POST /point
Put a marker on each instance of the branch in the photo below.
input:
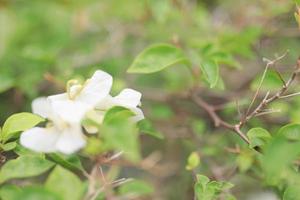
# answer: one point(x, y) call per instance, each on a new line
point(259, 110)
point(216, 118)
point(278, 95)
point(269, 64)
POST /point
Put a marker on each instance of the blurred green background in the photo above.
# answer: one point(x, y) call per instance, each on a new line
point(43, 43)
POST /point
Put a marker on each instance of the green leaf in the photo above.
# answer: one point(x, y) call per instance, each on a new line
point(203, 180)
point(71, 162)
point(210, 70)
point(220, 186)
point(224, 58)
point(19, 122)
point(220, 84)
point(36, 193)
point(278, 157)
point(136, 187)
point(8, 146)
point(147, 127)
point(120, 133)
point(23, 151)
point(193, 161)
point(200, 188)
point(209, 190)
point(117, 112)
point(156, 58)
point(65, 184)
point(203, 192)
point(24, 166)
point(258, 137)
point(291, 132)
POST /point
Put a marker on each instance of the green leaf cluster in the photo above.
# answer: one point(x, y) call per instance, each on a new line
point(210, 190)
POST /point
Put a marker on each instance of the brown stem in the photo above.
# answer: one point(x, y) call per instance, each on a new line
point(216, 118)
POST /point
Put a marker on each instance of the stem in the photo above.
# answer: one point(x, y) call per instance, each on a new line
point(278, 95)
point(259, 110)
point(217, 119)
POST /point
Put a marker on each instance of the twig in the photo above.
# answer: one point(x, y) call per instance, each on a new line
point(289, 95)
point(115, 156)
point(259, 110)
point(92, 177)
point(215, 117)
point(211, 111)
point(269, 64)
point(268, 112)
point(267, 100)
point(113, 184)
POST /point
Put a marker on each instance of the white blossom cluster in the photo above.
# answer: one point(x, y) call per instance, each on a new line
point(65, 112)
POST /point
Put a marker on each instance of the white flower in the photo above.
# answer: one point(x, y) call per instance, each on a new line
point(58, 135)
point(65, 112)
point(73, 105)
point(127, 98)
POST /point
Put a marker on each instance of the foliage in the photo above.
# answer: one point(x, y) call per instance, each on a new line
point(213, 113)
point(209, 190)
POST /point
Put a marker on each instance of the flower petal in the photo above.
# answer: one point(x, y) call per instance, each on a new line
point(71, 140)
point(106, 103)
point(40, 139)
point(41, 106)
point(70, 111)
point(58, 97)
point(139, 115)
point(128, 98)
point(96, 88)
